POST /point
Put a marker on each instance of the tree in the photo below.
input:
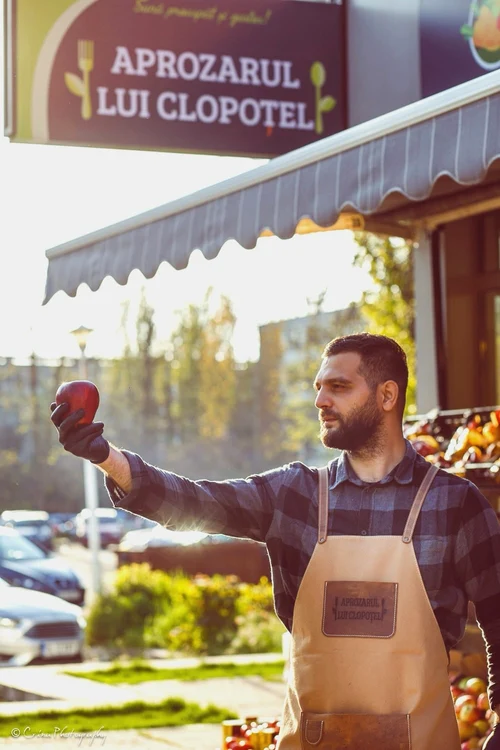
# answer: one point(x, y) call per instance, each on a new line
point(217, 375)
point(269, 394)
point(389, 306)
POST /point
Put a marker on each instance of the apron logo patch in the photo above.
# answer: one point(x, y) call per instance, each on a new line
point(359, 608)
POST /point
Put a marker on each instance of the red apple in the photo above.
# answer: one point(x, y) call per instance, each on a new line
point(79, 394)
point(465, 731)
point(463, 700)
point(471, 744)
point(475, 686)
point(469, 713)
point(482, 702)
point(456, 692)
point(482, 726)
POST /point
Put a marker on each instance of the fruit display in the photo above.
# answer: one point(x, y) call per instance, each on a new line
point(466, 443)
point(474, 717)
point(475, 720)
point(250, 733)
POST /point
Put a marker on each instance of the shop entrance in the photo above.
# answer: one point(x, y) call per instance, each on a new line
point(470, 302)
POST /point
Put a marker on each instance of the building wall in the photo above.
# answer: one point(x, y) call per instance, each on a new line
point(383, 58)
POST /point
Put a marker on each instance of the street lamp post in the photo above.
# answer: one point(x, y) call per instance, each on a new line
point(90, 478)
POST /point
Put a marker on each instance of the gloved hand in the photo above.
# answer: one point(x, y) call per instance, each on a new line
point(493, 741)
point(85, 441)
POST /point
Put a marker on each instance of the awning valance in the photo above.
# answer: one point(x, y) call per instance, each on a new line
point(374, 171)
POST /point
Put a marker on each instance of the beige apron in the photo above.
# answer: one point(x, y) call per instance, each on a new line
point(368, 665)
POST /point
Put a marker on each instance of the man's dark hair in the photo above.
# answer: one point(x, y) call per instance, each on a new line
point(382, 359)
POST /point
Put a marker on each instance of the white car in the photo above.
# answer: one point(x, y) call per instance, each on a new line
point(38, 626)
point(33, 524)
point(139, 540)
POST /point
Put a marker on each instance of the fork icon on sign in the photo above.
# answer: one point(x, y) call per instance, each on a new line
point(81, 86)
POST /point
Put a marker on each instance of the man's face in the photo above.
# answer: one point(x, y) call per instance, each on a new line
point(349, 413)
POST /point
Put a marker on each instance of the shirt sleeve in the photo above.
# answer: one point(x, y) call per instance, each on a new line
point(235, 507)
point(477, 561)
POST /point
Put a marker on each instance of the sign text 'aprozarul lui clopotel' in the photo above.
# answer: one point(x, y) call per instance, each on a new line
point(245, 77)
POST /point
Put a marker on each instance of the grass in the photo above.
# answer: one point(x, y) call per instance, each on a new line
point(169, 713)
point(137, 672)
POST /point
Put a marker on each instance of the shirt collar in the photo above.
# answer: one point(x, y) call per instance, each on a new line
point(402, 473)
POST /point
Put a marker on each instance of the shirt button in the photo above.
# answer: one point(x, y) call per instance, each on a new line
point(364, 532)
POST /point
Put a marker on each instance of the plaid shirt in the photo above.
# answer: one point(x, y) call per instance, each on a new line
point(456, 539)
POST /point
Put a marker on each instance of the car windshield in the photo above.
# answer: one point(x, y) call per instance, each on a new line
point(13, 547)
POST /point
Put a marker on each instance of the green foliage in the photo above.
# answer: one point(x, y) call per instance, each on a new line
point(269, 401)
point(135, 671)
point(114, 621)
point(176, 625)
point(201, 615)
point(389, 306)
point(217, 620)
point(259, 630)
point(134, 715)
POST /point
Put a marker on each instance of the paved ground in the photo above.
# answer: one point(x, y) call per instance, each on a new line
point(195, 737)
point(248, 695)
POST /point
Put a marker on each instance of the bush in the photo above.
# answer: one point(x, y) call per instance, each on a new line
point(176, 627)
point(201, 615)
point(120, 618)
point(259, 632)
point(218, 611)
point(113, 621)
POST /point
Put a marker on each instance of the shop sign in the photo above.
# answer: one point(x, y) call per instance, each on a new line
point(459, 40)
point(236, 77)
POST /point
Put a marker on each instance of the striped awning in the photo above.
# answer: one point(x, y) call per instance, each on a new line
point(371, 174)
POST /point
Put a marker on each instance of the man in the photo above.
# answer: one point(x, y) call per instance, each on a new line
point(374, 557)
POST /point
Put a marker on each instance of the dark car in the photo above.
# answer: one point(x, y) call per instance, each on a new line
point(24, 564)
point(109, 522)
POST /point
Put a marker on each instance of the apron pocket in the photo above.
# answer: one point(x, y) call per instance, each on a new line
point(354, 731)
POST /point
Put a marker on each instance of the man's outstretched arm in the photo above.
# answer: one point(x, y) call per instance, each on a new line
point(117, 468)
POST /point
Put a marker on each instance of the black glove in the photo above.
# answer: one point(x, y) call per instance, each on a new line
point(493, 741)
point(85, 441)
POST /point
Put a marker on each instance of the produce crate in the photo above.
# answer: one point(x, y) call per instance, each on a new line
point(443, 425)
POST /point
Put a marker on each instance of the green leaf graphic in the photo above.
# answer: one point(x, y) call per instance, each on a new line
point(74, 84)
point(318, 74)
point(327, 103)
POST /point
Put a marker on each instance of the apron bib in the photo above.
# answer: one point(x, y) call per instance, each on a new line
point(368, 665)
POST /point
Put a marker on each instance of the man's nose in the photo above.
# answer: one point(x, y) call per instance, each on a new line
point(321, 401)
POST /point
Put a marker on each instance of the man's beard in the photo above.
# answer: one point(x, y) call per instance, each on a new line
point(355, 432)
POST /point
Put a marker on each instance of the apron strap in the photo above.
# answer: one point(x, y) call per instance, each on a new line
point(418, 502)
point(323, 504)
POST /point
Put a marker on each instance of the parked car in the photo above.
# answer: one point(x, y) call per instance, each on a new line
point(62, 524)
point(157, 536)
point(38, 627)
point(33, 524)
point(24, 564)
point(110, 525)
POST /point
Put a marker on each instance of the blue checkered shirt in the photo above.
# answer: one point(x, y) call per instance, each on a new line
point(456, 539)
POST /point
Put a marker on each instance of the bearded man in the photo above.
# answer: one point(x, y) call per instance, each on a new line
point(374, 557)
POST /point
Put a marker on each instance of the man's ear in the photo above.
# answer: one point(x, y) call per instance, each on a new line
point(389, 393)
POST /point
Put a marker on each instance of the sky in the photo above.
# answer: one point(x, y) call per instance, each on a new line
point(53, 194)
